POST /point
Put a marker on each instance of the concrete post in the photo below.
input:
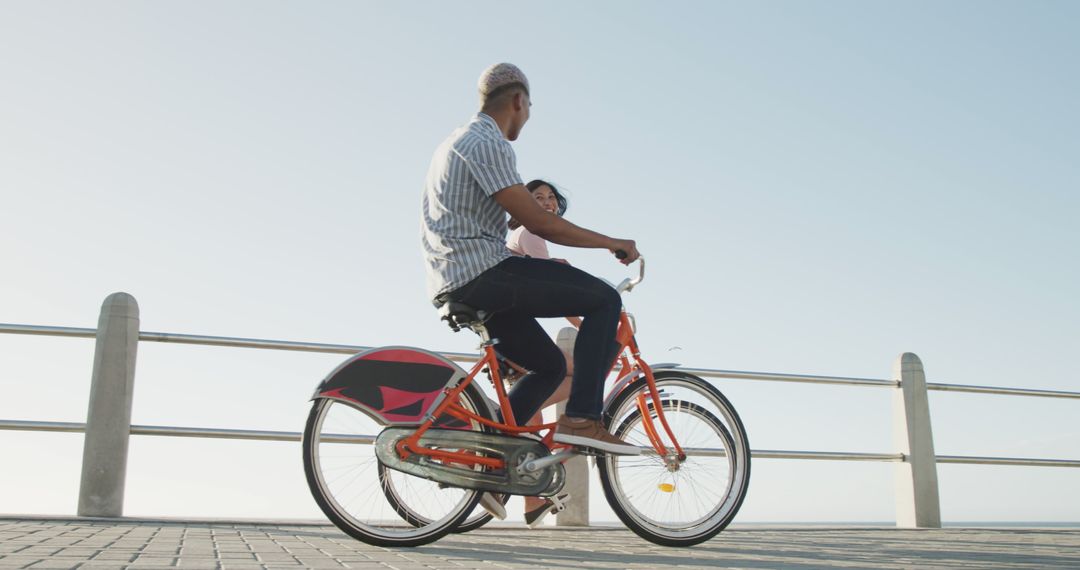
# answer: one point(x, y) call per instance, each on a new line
point(577, 469)
point(108, 420)
point(917, 503)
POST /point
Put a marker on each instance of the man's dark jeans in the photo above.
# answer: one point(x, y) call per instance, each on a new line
point(520, 289)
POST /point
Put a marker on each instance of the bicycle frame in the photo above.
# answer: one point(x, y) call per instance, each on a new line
point(630, 362)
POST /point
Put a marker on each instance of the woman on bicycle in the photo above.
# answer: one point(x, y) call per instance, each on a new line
point(525, 243)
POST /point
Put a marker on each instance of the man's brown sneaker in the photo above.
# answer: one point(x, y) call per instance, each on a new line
point(583, 432)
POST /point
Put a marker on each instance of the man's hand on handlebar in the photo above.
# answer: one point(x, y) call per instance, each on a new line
point(625, 250)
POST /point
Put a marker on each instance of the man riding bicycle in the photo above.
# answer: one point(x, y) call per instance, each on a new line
point(471, 185)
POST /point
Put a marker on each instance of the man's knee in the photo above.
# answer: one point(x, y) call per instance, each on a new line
point(610, 298)
point(552, 363)
point(615, 296)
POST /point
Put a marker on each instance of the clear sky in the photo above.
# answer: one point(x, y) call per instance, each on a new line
point(817, 187)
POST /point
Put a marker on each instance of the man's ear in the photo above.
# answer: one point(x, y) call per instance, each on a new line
point(519, 100)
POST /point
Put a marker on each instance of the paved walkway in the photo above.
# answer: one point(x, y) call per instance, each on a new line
point(133, 544)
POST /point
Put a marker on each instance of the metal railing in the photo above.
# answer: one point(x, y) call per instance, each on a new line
point(265, 435)
point(262, 435)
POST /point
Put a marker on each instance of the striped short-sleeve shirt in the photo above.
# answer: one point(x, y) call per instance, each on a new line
point(463, 229)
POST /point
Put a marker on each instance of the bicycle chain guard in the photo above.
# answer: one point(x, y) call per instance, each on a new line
point(513, 451)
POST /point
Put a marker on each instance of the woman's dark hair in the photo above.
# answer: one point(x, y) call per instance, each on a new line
point(559, 199)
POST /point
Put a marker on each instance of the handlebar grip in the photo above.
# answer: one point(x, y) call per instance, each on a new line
point(620, 254)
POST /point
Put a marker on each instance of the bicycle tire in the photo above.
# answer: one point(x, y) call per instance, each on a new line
point(348, 489)
point(658, 503)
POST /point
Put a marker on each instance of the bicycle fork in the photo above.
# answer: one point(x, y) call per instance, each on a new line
point(674, 457)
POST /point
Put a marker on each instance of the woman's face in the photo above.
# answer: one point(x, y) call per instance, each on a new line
point(546, 198)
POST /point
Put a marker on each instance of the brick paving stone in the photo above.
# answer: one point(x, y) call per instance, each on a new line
point(154, 561)
point(300, 552)
point(114, 556)
point(77, 552)
point(18, 561)
point(236, 557)
point(274, 557)
point(39, 551)
point(52, 565)
point(186, 560)
point(321, 563)
point(233, 547)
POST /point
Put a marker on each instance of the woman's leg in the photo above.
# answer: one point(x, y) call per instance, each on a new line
point(565, 342)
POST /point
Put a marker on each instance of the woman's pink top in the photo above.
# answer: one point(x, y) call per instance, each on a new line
point(523, 242)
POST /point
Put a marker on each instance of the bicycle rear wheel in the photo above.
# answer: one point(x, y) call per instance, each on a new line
point(665, 500)
point(363, 498)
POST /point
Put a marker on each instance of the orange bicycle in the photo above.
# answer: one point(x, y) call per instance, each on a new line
point(401, 443)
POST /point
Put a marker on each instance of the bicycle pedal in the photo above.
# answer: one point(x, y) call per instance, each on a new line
point(558, 502)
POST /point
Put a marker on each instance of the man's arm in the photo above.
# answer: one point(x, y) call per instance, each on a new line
point(520, 204)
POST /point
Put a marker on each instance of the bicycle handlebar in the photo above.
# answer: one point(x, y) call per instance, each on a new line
point(628, 284)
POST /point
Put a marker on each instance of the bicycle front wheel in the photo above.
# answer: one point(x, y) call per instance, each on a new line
point(363, 499)
point(668, 500)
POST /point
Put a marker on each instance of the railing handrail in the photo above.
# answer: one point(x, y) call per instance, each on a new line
point(1000, 390)
point(325, 348)
point(801, 378)
point(265, 435)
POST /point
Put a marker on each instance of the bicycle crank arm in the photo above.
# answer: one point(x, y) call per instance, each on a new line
point(544, 462)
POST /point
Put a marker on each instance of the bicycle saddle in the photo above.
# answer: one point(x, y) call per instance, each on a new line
point(460, 315)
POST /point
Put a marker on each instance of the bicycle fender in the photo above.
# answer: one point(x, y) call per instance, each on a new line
point(626, 379)
point(398, 385)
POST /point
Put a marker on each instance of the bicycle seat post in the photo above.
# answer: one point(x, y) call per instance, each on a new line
point(460, 315)
point(485, 338)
